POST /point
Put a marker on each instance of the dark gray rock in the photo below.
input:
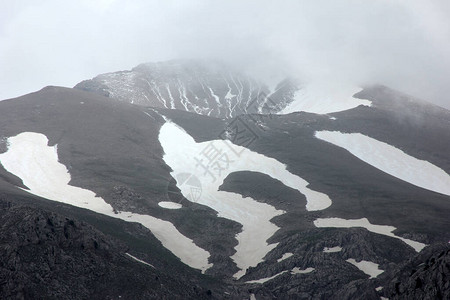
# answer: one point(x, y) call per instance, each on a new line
point(426, 276)
point(47, 256)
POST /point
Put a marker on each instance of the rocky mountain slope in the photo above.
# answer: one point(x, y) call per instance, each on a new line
point(238, 203)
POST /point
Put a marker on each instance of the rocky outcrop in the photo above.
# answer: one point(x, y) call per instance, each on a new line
point(47, 256)
point(426, 276)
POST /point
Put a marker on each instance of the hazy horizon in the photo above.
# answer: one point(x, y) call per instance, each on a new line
point(401, 44)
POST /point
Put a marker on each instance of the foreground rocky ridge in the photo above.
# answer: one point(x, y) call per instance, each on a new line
point(426, 276)
point(44, 255)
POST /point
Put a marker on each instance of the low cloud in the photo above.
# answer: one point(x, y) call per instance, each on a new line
point(403, 44)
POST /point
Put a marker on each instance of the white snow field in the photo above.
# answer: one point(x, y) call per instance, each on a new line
point(29, 158)
point(368, 267)
point(332, 249)
point(380, 229)
point(211, 162)
point(324, 98)
point(391, 160)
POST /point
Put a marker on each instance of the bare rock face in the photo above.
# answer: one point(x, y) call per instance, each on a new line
point(427, 276)
point(205, 88)
point(47, 256)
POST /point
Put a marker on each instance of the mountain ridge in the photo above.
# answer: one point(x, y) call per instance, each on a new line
point(114, 149)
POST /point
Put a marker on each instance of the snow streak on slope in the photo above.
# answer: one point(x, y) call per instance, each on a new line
point(140, 260)
point(391, 160)
point(29, 158)
point(265, 279)
point(285, 256)
point(324, 98)
point(295, 270)
point(380, 229)
point(198, 87)
point(184, 155)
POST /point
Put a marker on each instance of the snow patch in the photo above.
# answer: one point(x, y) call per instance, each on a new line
point(320, 98)
point(170, 205)
point(29, 158)
point(391, 160)
point(285, 256)
point(368, 267)
point(297, 270)
point(380, 229)
point(332, 249)
point(184, 155)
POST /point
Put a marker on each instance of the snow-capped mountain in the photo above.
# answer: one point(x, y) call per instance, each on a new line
point(330, 195)
point(207, 88)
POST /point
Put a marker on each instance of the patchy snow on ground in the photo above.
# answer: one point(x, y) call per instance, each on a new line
point(391, 160)
point(324, 98)
point(30, 158)
point(297, 270)
point(380, 229)
point(332, 249)
point(139, 260)
point(285, 256)
point(368, 267)
point(170, 205)
point(211, 162)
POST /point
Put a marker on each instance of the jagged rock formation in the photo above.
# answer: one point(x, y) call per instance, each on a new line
point(44, 255)
point(425, 277)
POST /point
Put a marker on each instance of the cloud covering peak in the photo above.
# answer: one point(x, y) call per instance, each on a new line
point(402, 44)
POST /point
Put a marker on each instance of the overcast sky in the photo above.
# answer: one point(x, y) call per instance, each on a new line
point(403, 44)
